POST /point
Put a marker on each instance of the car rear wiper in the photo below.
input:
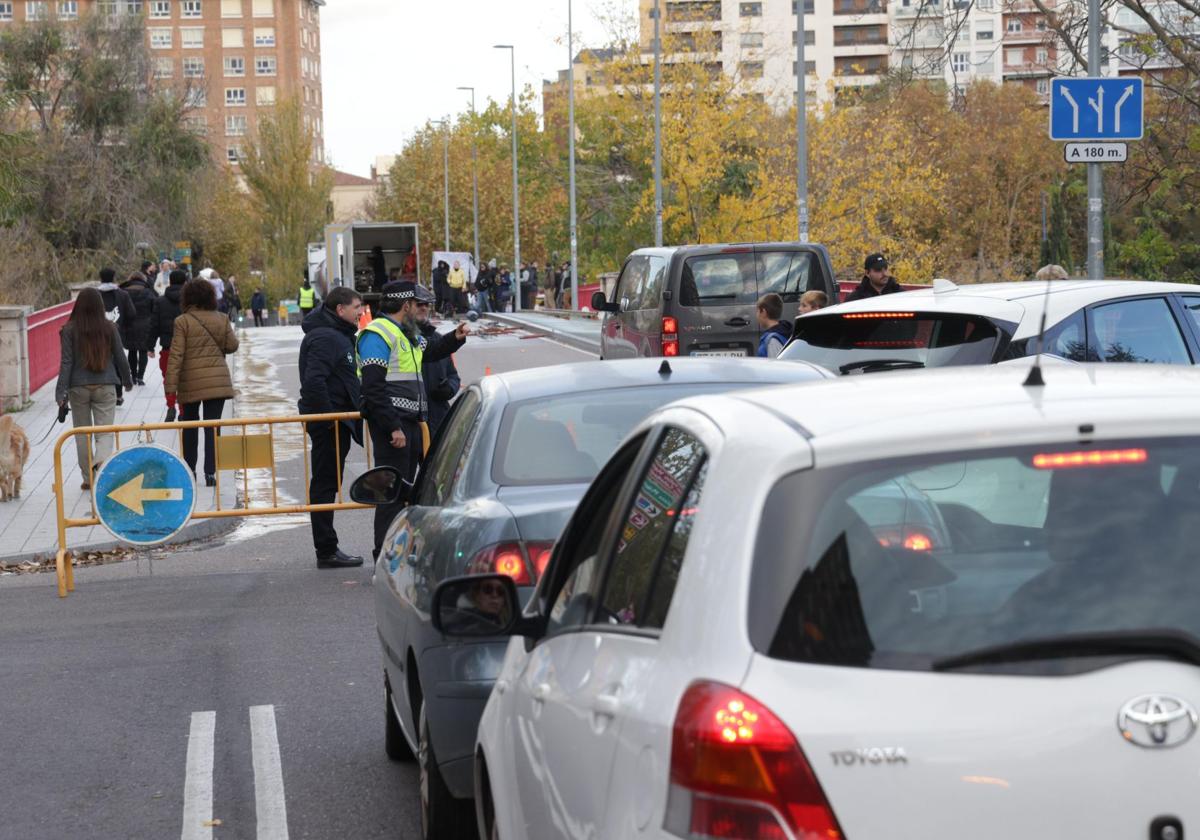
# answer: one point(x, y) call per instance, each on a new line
point(1152, 642)
point(717, 297)
point(881, 364)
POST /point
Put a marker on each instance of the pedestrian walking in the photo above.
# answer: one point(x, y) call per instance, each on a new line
point(329, 384)
point(775, 332)
point(258, 303)
point(214, 279)
point(141, 342)
point(93, 365)
point(163, 278)
point(197, 373)
point(484, 290)
point(150, 272)
point(233, 298)
point(391, 355)
point(118, 308)
point(457, 281)
point(813, 300)
point(441, 289)
point(167, 307)
point(504, 289)
point(307, 299)
point(876, 281)
point(442, 381)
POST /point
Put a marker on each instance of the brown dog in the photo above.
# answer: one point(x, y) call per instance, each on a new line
point(14, 452)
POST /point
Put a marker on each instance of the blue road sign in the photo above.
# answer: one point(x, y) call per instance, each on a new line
point(144, 494)
point(1096, 109)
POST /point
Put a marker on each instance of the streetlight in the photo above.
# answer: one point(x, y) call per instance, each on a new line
point(474, 176)
point(801, 128)
point(656, 13)
point(445, 124)
point(512, 53)
point(571, 147)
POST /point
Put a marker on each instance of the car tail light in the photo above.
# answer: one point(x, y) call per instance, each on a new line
point(523, 562)
point(738, 772)
point(861, 316)
point(1093, 458)
point(913, 539)
point(670, 336)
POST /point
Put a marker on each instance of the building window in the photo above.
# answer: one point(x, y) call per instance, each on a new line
point(809, 7)
point(1043, 86)
point(6, 10)
point(35, 10)
point(164, 68)
point(810, 37)
point(304, 37)
point(233, 154)
point(265, 95)
point(196, 125)
point(231, 8)
point(160, 9)
point(68, 9)
point(1014, 25)
point(196, 97)
point(984, 65)
point(264, 8)
point(984, 32)
point(265, 65)
point(1041, 26)
point(192, 37)
point(235, 65)
point(264, 36)
point(1043, 56)
point(750, 9)
point(752, 40)
point(985, 5)
point(810, 68)
point(960, 62)
point(751, 69)
point(235, 125)
point(1014, 58)
point(233, 39)
point(192, 9)
point(160, 39)
point(193, 68)
point(235, 96)
point(307, 95)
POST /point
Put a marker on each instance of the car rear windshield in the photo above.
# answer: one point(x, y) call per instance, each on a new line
point(852, 341)
point(910, 563)
point(743, 276)
point(566, 439)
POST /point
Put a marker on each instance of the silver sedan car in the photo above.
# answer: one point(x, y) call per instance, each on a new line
point(510, 464)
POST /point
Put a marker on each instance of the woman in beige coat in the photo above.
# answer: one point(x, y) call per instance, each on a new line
point(197, 374)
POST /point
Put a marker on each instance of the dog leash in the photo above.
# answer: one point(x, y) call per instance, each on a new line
point(62, 416)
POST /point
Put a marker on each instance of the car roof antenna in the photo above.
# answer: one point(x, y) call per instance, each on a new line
point(665, 368)
point(1035, 378)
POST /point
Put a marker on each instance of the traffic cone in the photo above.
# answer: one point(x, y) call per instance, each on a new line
point(364, 319)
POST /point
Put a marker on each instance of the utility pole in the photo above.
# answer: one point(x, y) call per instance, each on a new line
point(656, 13)
point(474, 176)
point(445, 124)
point(1095, 173)
point(571, 148)
point(516, 200)
point(801, 128)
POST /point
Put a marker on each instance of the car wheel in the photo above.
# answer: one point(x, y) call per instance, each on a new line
point(394, 742)
point(442, 816)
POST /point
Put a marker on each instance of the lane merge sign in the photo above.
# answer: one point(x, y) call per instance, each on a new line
point(1096, 109)
point(144, 494)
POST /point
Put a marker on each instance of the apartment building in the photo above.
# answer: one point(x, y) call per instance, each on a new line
point(234, 58)
point(958, 42)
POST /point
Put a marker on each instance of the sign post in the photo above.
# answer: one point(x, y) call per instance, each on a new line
point(144, 494)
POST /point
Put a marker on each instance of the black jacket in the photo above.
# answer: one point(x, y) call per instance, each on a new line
point(119, 307)
point(258, 301)
point(866, 290)
point(377, 404)
point(166, 309)
point(441, 381)
point(328, 368)
point(143, 296)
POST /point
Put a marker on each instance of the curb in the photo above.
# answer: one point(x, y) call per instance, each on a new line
point(195, 532)
point(568, 339)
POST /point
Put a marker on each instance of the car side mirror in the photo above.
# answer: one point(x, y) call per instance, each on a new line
point(600, 303)
point(378, 486)
point(476, 606)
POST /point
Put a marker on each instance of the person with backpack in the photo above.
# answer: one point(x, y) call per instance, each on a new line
point(119, 309)
point(141, 342)
point(167, 308)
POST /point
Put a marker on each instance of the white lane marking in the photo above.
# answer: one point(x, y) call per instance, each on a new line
point(198, 783)
point(269, 806)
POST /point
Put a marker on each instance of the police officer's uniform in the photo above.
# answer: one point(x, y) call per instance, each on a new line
point(393, 394)
point(308, 299)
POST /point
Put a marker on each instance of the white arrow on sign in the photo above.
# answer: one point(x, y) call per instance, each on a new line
point(1117, 110)
point(1074, 109)
point(131, 494)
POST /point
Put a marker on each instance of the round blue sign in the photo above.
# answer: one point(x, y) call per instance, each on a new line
point(145, 494)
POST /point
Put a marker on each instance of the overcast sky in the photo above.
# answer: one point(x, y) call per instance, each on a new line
point(390, 65)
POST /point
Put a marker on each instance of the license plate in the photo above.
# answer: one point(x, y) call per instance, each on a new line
point(725, 353)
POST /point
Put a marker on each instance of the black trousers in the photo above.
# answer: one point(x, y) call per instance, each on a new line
point(258, 317)
point(328, 468)
point(191, 411)
point(137, 364)
point(406, 459)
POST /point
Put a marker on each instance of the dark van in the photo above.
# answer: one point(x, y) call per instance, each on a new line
point(699, 300)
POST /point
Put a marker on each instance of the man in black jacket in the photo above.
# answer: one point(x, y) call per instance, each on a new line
point(876, 281)
point(441, 376)
point(329, 384)
point(162, 326)
point(142, 293)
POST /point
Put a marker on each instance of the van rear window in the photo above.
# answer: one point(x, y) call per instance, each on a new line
point(742, 277)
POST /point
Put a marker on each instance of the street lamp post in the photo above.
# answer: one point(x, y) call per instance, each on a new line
point(474, 176)
point(656, 13)
point(571, 148)
point(801, 128)
point(445, 124)
point(512, 53)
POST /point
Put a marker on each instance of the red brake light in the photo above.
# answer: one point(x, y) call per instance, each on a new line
point(523, 562)
point(1094, 458)
point(859, 316)
point(670, 336)
point(916, 541)
point(670, 326)
point(738, 772)
point(539, 554)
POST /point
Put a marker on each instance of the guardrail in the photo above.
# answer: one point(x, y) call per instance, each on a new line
point(43, 327)
point(243, 452)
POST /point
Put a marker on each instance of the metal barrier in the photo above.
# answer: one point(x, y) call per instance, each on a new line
point(243, 452)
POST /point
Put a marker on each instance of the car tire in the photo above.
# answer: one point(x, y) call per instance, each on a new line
point(394, 742)
point(442, 816)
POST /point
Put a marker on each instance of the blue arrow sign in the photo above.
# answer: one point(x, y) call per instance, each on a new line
point(1096, 109)
point(144, 494)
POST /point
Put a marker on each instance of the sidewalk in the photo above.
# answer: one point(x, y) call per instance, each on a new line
point(580, 333)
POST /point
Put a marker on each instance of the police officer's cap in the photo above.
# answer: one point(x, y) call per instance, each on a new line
point(400, 290)
point(424, 295)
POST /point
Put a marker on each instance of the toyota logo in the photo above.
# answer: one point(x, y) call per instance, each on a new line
point(1157, 720)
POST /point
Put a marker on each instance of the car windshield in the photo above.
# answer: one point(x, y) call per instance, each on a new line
point(565, 439)
point(852, 341)
point(1037, 552)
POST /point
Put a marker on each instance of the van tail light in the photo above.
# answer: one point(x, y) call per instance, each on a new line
point(523, 562)
point(670, 336)
point(1089, 458)
point(913, 539)
point(738, 772)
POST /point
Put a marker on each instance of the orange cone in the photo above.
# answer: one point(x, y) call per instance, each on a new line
point(364, 319)
point(487, 371)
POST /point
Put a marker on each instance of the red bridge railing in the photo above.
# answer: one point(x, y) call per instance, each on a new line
point(44, 347)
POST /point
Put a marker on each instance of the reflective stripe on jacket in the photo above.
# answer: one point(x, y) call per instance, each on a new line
point(307, 298)
point(405, 388)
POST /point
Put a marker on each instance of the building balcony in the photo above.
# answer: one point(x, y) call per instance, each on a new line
point(859, 7)
point(1028, 36)
point(1026, 70)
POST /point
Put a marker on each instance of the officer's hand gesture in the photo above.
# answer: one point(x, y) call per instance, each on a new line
point(398, 440)
point(462, 331)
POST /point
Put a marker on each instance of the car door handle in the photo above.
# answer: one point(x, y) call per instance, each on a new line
point(501, 686)
point(540, 692)
point(606, 705)
point(412, 559)
point(739, 321)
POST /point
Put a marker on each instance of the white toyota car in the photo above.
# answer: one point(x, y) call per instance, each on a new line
point(731, 640)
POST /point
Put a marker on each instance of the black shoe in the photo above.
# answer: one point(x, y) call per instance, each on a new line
point(120, 401)
point(170, 415)
point(338, 560)
point(210, 481)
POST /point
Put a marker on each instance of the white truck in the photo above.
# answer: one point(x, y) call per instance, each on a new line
point(351, 258)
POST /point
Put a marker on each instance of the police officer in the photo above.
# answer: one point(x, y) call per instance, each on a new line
point(329, 384)
point(308, 298)
point(391, 351)
point(442, 381)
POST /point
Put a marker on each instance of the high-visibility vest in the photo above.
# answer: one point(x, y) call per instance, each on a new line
point(308, 297)
point(405, 387)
